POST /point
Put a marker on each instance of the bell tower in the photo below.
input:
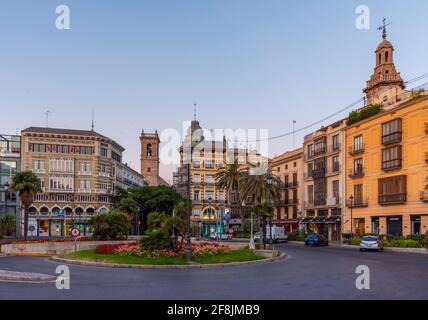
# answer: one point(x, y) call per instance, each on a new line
point(150, 157)
point(385, 83)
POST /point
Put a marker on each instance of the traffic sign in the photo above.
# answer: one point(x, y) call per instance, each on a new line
point(75, 232)
point(227, 215)
point(61, 213)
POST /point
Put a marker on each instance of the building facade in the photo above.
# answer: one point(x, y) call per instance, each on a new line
point(126, 177)
point(289, 168)
point(77, 169)
point(10, 164)
point(387, 157)
point(323, 180)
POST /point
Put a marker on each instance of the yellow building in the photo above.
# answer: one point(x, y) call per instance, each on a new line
point(386, 159)
point(288, 167)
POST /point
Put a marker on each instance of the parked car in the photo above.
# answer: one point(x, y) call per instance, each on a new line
point(371, 243)
point(316, 240)
point(221, 236)
point(257, 237)
point(278, 234)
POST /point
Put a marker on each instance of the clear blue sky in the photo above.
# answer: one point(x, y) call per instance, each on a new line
point(248, 64)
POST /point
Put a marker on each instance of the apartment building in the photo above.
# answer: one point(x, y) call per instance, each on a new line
point(323, 180)
point(77, 169)
point(10, 164)
point(387, 159)
point(289, 168)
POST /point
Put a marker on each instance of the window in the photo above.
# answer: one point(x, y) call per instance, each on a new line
point(336, 189)
point(196, 164)
point(85, 184)
point(386, 56)
point(196, 195)
point(319, 146)
point(209, 179)
point(391, 131)
point(310, 169)
point(103, 152)
point(310, 151)
point(103, 168)
point(393, 190)
point(358, 143)
point(116, 157)
point(61, 165)
point(196, 212)
point(375, 225)
point(149, 150)
point(209, 164)
point(358, 166)
point(335, 142)
point(209, 195)
point(61, 183)
point(391, 158)
point(335, 163)
point(279, 169)
point(295, 164)
point(85, 167)
point(197, 178)
point(286, 167)
point(358, 194)
point(149, 169)
point(103, 186)
point(88, 150)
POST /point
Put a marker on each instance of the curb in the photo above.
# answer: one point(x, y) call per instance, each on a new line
point(144, 266)
point(11, 276)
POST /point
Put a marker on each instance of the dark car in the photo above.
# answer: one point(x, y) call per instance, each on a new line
point(316, 240)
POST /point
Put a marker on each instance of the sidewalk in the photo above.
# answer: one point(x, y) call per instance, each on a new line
point(25, 277)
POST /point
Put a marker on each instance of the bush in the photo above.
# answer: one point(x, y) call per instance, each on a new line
point(110, 226)
point(108, 248)
point(367, 112)
point(297, 236)
point(403, 244)
point(7, 225)
point(156, 239)
point(426, 240)
point(241, 235)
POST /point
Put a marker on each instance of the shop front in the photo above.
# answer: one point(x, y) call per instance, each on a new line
point(288, 225)
point(334, 227)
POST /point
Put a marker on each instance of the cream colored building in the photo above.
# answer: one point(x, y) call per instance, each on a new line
point(78, 170)
point(324, 180)
point(289, 168)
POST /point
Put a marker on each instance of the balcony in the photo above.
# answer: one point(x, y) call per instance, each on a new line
point(290, 185)
point(333, 202)
point(388, 199)
point(84, 173)
point(319, 151)
point(308, 204)
point(391, 138)
point(293, 202)
point(426, 127)
point(39, 171)
point(391, 164)
point(104, 174)
point(334, 148)
point(320, 202)
point(102, 191)
point(358, 203)
point(209, 184)
point(356, 173)
point(84, 190)
point(357, 149)
point(424, 196)
point(318, 173)
point(334, 169)
point(283, 203)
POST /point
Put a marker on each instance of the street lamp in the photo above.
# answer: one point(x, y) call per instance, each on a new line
point(252, 244)
point(269, 181)
point(351, 204)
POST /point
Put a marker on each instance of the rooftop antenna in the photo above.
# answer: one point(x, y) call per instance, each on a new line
point(93, 122)
point(383, 28)
point(47, 118)
point(294, 134)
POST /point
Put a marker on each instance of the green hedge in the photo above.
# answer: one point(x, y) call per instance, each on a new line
point(296, 236)
point(367, 112)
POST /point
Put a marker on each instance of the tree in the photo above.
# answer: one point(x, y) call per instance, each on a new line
point(126, 203)
point(110, 226)
point(264, 210)
point(255, 185)
point(229, 179)
point(26, 184)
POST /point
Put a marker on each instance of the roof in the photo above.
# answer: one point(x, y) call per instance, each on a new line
point(86, 133)
point(162, 182)
point(384, 44)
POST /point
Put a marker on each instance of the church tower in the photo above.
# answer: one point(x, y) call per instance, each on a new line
point(386, 83)
point(150, 157)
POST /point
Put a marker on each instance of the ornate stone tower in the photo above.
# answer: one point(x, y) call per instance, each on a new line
point(150, 157)
point(386, 83)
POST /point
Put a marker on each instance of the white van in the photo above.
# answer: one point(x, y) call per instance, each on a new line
point(278, 234)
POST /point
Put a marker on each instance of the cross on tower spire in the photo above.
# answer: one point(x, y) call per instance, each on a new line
point(383, 28)
point(194, 111)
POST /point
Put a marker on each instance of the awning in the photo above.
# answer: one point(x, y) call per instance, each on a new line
point(318, 220)
point(306, 220)
point(332, 220)
point(293, 221)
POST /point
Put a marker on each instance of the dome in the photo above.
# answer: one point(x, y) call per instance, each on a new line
point(384, 44)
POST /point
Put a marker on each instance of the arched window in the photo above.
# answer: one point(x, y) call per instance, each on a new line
point(32, 211)
point(380, 58)
point(386, 56)
point(149, 150)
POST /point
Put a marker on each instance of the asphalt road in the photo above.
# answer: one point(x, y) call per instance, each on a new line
point(307, 273)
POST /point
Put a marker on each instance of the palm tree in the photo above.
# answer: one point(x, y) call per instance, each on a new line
point(264, 189)
point(26, 184)
point(228, 179)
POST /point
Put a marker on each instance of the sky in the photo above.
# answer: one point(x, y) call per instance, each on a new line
point(248, 64)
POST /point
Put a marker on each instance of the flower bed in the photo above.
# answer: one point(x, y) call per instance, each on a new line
point(133, 249)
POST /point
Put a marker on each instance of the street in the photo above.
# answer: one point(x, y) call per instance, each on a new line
point(307, 273)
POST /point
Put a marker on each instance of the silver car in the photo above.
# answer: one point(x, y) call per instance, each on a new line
point(371, 243)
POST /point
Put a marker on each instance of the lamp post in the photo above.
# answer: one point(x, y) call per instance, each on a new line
point(269, 181)
point(351, 204)
point(252, 244)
